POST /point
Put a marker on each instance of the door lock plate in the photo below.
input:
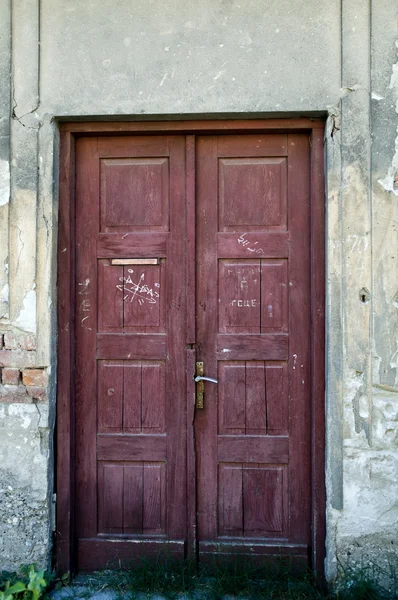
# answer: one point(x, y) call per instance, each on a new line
point(200, 386)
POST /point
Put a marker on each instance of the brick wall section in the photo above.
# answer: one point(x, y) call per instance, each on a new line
point(20, 380)
point(10, 376)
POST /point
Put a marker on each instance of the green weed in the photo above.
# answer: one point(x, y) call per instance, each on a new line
point(29, 584)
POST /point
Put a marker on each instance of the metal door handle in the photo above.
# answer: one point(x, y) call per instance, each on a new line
point(200, 384)
point(200, 378)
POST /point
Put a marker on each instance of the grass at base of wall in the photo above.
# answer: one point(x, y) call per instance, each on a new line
point(172, 579)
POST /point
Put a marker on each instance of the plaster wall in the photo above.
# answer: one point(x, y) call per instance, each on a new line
point(148, 59)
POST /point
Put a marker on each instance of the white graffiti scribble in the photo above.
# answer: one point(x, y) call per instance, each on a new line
point(138, 290)
point(85, 305)
point(250, 246)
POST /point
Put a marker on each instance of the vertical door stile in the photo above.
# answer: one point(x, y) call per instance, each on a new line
point(87, 227)
point(299, 336)
point(206, 314)
point(318, 349)
point(190, 340)
point(176, 336)
point(190, 239)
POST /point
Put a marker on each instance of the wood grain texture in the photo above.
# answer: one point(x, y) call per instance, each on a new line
point(110, 498)
point(65, 431)
point(278, 246)
point(135, 245)
point(247, 347)
point(253, 235)
point(250, 448)
point(110, 298)
point(121, 371)
point(242, 181)
point(318, 352)
point(130, 346)
point(230, 500)
point(249, 244)
point(206, 332)
point(191, 240)
point(253, 146)
point(176, 345)
point(110, 394)
point(134, 193)
point(87, 227)
point(133, 499)
point(118, 552)
point(256, 398)
point(144, 146)
point(132, 447)
point(299, 335)
point(191, 458)
point(189, 126)
point(264, 501)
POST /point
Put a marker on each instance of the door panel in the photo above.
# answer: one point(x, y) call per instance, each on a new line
point(250, 447)
point(130, 348)
point(253, 335)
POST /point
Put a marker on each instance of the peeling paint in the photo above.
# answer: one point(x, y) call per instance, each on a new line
point(388, 181)
point(27, 316)
point(4, 182)
point(394, 360)
point(5, 294)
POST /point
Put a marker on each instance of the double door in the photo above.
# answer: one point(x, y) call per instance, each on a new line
point(192, 257)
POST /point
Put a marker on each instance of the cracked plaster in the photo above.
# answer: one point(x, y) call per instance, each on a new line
point(201, 62)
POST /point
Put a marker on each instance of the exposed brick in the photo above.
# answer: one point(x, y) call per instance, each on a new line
point(10, 376)
point(37, 392)
point(17, 358)
point(34, 377)
point(25, 341)
point(14, 394)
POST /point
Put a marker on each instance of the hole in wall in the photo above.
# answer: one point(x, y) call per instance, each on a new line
point(364, 295)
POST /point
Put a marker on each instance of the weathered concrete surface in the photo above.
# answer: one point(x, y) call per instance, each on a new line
point(143, 58)
point(5, 99)
point(362, 398)
point(188, 57)
point(24, 521)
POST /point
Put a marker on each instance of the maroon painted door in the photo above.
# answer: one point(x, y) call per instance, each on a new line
point(137, 303)
point(253, 336)
point(130, 349)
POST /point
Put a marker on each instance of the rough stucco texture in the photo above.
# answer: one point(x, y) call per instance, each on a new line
point(24, 520)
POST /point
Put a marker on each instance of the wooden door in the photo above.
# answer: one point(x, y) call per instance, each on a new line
point(152, 474)
point(130, 349)
point(253, 336)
